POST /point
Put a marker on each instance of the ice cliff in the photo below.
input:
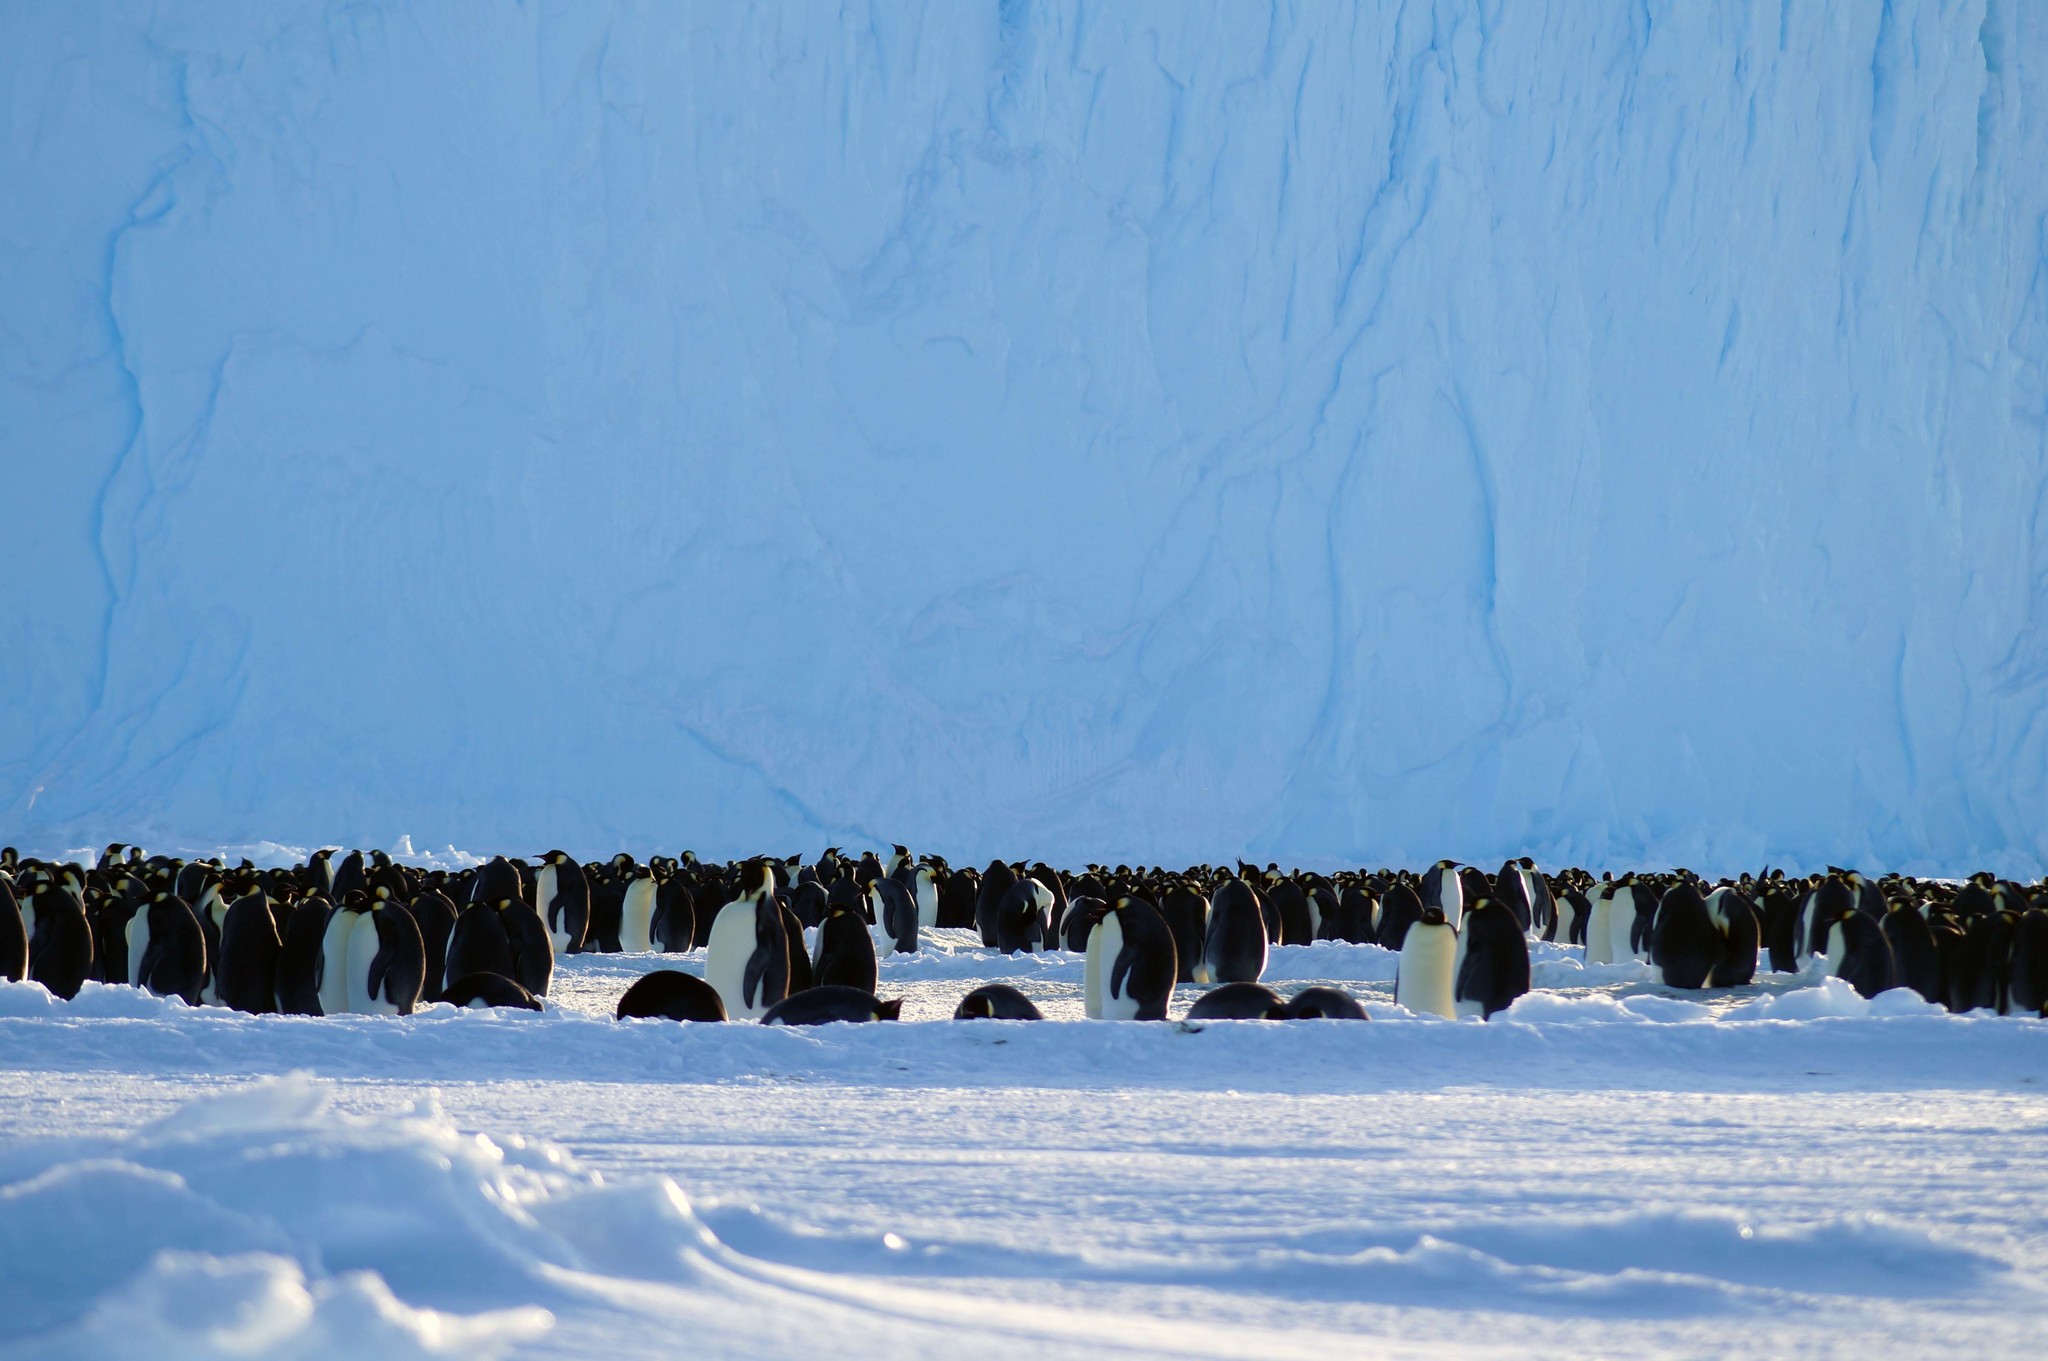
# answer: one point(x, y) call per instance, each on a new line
point(1333, 432)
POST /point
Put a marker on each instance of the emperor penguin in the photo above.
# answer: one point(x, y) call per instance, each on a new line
point(747, 957)
point(924, 887)
point(830, 1002)
point(477, 943)
point(996, 883)
point(245, 977)
point(1238, 1002)
point(1734, 917)
point(533, 950)
point(332, 968)
point(675, 915)
point(1684, 942)
point(1023, 917)
point(1187, 915)
point(2026, 988)
point(1234, 946)
point(476, 991)
point(60, 953)
point(999, 1002)
point(1490, 966)
point(561, 894)
point(13, 936)
point(1130, 969)
point(1321, 1003)
point(387, 960)
point(167, 949)
point(1443, 887)
point(636, 911)
point(672, 995)
point(298, 958)
point(1400, 909)
point(899, 915)
point(1858, 954)
point(1915, 957)
point(435, 916)
point(846, 952)
point(1426, 978)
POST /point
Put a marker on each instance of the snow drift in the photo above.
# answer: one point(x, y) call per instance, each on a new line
point(1600, 429)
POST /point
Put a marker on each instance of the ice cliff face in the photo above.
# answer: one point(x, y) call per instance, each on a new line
point(1355, 431)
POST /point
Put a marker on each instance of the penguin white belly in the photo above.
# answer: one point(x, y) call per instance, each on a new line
point(362, 952)
point(636, 917)
point(1600, 931)
point(1838, 949)
point(138, 943)
point(927, 903)
point(334, 962)
point(1428, 970)
point(726, 954)
point(1101, 948)
point(1802, 931)
point(1454, 902)
point(543, 896)
point(1622, 921)
point(1109, 936)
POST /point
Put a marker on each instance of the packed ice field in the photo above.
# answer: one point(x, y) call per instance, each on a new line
point(1610, 1163)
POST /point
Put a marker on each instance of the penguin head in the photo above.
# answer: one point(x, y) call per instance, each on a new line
point(971, 1006)
point(756, 879)
point(1432, 915)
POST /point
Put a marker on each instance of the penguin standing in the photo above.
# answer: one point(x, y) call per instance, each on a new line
point(60, 954)
point(167, 954)
point(298, 959)
point(1297, 925)
point(1684, 943)
point(1914, 955)
point(674, 927)
point(1426, 979)
point(1186, 912)
point(561, 894)
point(1130, 969)
point(435, 916)
point(747, 957)
point(2027, 964)
point(1490, 966)
point(636, 910)
point(246, 976)
point(331, 969)
point(477, 944)
point(533, 949)
point(1443, 887)
point(1569, 914)
point(1082, 914)
point(1355, 912)
point(846, 952)
point(1734, 917)
point(1858, 954)
point(924, 890)
point(495, 881)
point(1023, 916)
point(13, 935)
point(1600, 923)
point(996, 882)
point(1234, 949)
point(900, 916)
point(387, 961)
point(1400, 909)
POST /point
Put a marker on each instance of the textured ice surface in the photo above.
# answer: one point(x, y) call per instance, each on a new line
point(1350, 431)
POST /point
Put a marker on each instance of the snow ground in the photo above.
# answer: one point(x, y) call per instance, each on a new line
point(1610, 1170)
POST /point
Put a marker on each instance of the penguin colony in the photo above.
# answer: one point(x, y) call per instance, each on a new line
point(365, 934)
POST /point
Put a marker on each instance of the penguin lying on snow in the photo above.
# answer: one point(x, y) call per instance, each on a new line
point(1237, 1002)
point(830, 1002)
point(997, 1001)
point(478, 990)
point(672, 994)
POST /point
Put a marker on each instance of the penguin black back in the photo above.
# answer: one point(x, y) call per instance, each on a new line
point(13, 936)
point(489, 990)
point(1491, 965)
point(996, 882)
point(60, 953)
point(435, 916)
point(1237, 1002)
point(997, 1001)
point(673, 995)
point(1322, 1003)
point(250, 947)
point(827, 1003)
point(846, 952)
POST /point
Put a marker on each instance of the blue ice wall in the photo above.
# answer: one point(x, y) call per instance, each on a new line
point(1142, 430)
